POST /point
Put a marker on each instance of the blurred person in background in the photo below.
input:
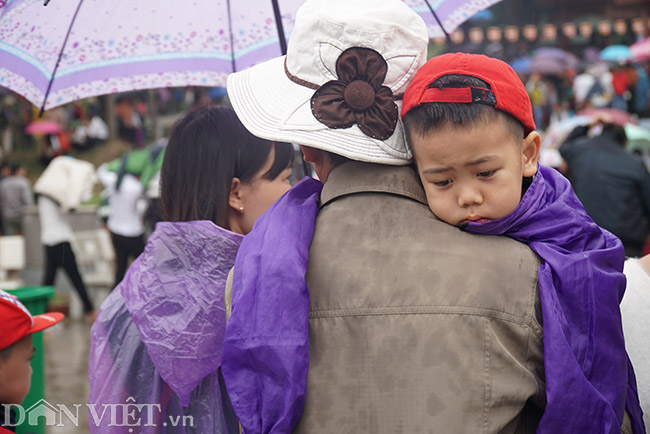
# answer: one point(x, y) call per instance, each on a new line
point(640, 91)
point(125, 192)
point(8, 120)
point(612, 184)
point(63, 186)
point(621, 81)
point(129, 122)
point(15, 196)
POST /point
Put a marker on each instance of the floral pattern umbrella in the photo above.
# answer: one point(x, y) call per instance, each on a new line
point(448, 13)
point(123, 45)
point(74, 49)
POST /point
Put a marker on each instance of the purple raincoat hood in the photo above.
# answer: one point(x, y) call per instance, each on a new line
point(174, 293)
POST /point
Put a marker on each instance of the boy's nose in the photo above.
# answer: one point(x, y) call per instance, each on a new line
point(469, 197)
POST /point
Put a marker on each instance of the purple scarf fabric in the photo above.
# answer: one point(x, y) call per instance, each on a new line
point(589, 378)
point(266, 348)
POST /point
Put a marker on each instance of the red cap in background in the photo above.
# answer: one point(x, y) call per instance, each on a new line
point(16, 321)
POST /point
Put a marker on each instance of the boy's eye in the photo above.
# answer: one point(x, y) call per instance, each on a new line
point(486, 174)
point(443, 183)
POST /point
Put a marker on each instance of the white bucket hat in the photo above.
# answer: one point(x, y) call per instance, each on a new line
point(365, 52)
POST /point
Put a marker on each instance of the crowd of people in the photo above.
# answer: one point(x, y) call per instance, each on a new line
point(432, 275)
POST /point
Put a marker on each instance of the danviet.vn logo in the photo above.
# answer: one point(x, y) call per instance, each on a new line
point(128, 414)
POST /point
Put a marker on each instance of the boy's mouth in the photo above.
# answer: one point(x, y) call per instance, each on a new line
point(474, 219)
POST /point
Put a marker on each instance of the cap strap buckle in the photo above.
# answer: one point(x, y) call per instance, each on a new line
point(459, 95)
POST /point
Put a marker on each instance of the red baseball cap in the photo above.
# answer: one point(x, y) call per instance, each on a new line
point(17, 322)
point(507, 92)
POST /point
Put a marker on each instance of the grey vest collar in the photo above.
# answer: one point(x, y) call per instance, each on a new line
point(358, 177)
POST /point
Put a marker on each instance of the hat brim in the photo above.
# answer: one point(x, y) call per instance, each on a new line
point(46, 320)
point(273, 107)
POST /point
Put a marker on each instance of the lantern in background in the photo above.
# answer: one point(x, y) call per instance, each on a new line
point(530, 32)
point(511, 33)
point(586, 29)
point(570, 30)
point(494, 34)
point(457, 36)
point(620, 27)
point(549, 32)
point(605, 28)
point(476, 35)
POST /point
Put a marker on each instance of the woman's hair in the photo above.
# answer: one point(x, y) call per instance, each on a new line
point(207, 148)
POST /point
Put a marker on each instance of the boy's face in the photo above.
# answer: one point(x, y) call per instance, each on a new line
point(16, 372)
point(474, 174)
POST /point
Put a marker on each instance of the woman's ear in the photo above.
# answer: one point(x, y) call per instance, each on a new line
point(235, 200)
point(530, 153)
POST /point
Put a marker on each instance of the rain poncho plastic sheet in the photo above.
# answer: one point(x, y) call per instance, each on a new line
point(589, 379)
point(156, 345)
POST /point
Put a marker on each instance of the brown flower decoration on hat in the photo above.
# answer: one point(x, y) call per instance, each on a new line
point(358, 96)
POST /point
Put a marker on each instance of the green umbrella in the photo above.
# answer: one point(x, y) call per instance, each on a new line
point(144, 163)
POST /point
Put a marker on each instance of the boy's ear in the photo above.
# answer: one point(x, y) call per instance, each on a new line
point(530, 153)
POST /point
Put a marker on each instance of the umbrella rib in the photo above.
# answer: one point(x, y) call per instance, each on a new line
point(280, 26)
point(438, 21)
point(65, 41)
point(232, 40)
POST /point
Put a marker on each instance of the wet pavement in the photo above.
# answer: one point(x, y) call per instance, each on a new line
point(66, 368)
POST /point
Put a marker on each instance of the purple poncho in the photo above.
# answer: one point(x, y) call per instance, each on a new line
point(589, 379)
point(159, 335)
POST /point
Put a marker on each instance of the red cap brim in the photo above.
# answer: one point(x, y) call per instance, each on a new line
point(46, 320)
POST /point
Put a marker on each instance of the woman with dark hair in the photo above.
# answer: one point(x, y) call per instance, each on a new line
point(158, 337)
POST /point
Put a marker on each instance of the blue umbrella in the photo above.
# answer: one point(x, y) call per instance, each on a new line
point(616, 53)
point(484, 15)
point(521, 65)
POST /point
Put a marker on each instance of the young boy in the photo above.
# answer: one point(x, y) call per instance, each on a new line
point(470, 124)
point(16, 351)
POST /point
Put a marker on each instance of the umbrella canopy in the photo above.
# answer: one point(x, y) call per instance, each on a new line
point(450, 13)
point(108, 47)
point(553, 61)
point(43, 127)
point(616, 53)
point(484, 15)
point(74, 49)
point(640, 50)
point(554, 52)
point(558, 131)
point(617, 116)
point(547, 66)
point(521, 65)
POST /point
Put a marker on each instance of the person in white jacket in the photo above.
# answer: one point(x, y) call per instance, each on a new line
point(125, 219)
point(62, 187)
